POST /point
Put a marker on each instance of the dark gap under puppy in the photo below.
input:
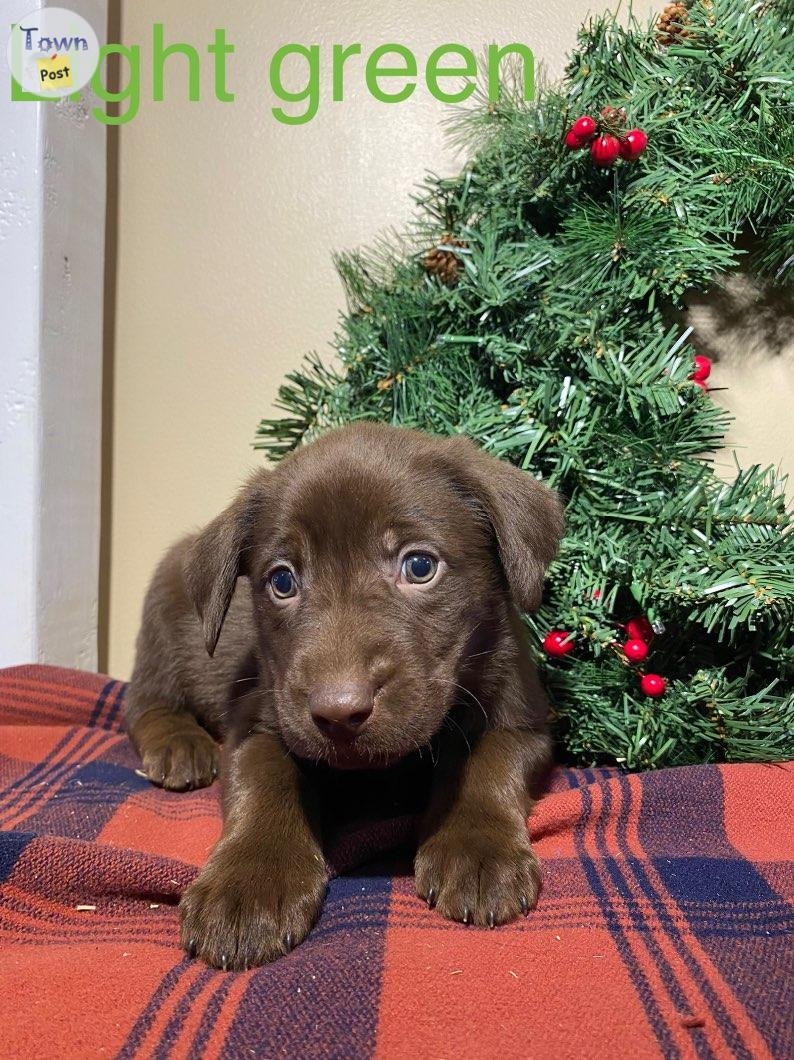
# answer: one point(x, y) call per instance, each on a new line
point(349, 629)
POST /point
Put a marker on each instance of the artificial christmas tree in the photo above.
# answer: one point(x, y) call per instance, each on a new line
point(547, 332)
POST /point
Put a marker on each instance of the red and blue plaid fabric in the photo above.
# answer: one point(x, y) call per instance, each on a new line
point(664, 927)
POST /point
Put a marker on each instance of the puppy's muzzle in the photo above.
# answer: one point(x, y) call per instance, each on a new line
point(341, 711)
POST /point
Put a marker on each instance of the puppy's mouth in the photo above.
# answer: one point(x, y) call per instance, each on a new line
point(355, 754)
point(364, 752)
point(348, 756)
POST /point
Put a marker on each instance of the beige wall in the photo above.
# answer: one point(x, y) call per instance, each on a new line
point(226, 224)
point(750, 328)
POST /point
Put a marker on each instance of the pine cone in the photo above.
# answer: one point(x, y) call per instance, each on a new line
point(671, 22)
point(445, 264)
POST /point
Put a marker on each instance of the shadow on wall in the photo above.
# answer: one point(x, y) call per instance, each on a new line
point(745, 324)
point(744, 318)
point(108, 343)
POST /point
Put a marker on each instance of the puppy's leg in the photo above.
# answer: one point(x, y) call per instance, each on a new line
point(475, 862)
point(176, 752)
point(175, 686)
point(263, 886)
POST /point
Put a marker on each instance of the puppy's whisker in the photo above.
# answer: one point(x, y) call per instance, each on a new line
point(449, 683)
point(469, 692)
point(479, 655)
point(452, 721)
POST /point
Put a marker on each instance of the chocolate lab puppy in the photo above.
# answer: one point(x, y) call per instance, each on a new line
point(353, 609)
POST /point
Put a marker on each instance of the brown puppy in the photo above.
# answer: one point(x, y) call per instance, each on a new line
point(374, 618)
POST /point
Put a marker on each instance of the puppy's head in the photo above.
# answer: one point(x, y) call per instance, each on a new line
point(382, 562)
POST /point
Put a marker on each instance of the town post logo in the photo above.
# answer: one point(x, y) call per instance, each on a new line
point(52, 52)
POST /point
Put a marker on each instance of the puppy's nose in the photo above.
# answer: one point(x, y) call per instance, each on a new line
point(340, 711)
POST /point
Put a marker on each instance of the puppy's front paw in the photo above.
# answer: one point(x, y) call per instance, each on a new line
point(248, 908)
point(182, 761)
point(478, 876)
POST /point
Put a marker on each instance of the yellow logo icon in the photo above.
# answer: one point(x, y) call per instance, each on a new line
point(55, 72)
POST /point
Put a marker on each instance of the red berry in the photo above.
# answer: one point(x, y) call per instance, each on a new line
point(653, 685)
point(702, 368)
point(633, 144)
point(553, 642)
point(585, 128)
point(635, 650)
point(574, 142)
point(604, 150)
point(639, 628)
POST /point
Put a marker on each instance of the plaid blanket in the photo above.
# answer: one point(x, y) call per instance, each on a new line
point(664, 928)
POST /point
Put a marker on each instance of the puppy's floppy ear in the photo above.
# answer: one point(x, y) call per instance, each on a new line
point(217, 557)
point(526, 517)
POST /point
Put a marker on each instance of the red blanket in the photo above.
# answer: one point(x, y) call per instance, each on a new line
point(664, 927)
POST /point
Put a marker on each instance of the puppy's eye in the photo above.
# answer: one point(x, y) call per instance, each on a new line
point(282, 582)
point(419, 568)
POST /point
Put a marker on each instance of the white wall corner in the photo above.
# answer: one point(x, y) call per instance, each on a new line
point(52, 237)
